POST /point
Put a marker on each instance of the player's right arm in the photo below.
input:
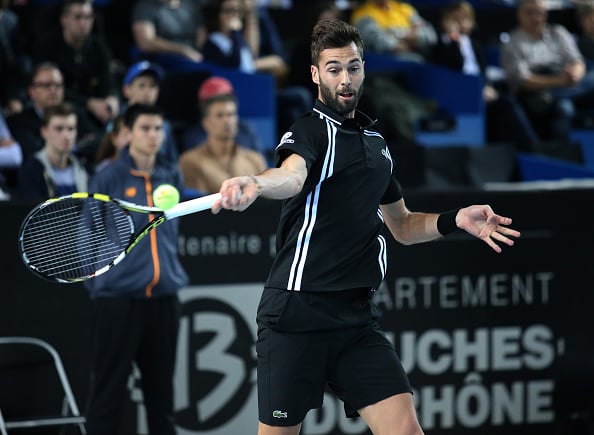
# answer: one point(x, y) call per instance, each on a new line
point(239, 193)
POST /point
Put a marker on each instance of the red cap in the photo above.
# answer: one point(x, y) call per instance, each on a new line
point(213, 86)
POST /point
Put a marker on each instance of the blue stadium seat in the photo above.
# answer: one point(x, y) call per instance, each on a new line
point(457, 94)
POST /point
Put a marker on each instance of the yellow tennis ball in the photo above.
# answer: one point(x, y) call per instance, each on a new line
point(165, 196)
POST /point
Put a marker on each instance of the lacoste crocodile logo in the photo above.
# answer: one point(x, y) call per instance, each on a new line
point(279, 414)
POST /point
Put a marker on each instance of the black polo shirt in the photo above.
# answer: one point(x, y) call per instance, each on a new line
point(330, 234)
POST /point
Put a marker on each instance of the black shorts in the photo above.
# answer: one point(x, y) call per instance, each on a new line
point(358, 363)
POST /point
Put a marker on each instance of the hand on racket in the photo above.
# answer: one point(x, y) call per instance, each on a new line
point(237, 194)
point(80, 236)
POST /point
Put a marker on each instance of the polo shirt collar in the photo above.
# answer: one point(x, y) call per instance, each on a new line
point(361, 120)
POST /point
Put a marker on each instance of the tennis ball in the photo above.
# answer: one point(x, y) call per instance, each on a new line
point(165, 196)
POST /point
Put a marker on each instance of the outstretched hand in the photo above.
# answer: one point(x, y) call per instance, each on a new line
point(483, 223)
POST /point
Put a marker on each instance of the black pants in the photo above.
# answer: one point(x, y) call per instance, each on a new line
point(125, 331)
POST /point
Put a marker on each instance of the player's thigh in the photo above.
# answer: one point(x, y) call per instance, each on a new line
point(395, 415)
point(291, 376)
point(367, 370)
point(264, 429)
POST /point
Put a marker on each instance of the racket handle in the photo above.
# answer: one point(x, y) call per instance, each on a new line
point(192, 206)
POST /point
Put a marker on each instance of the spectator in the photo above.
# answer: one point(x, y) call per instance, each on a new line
point(232, 40)
point(545, 68)
point(458, 49)
point(14, 62)
point(54, 170)
point(45, 90)
point(270, 56)
point(84, 59)
point(11, 158)
point(111, 143)
point(206, 166)
point(293, 100)
point(585, 16)
point(300, 59)
point(141, 85)
point(233, 43)
point(136, 309)
point(169, 27)
point(210, 88)
point(394, 27)
point(11, 155)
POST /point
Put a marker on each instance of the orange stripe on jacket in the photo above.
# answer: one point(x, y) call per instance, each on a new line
point(153, 235)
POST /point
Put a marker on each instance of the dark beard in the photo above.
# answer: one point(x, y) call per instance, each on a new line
point(342, 108)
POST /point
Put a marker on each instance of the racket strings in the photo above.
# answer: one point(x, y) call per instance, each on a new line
point(75, 237)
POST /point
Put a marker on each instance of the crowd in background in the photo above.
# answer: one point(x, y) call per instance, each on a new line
point(69, 69)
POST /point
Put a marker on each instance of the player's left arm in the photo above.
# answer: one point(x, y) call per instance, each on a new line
point(409, 227)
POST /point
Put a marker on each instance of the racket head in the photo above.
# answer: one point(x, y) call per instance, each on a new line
point(75, 237)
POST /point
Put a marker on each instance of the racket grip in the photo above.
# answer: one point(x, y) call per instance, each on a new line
point(192, 206)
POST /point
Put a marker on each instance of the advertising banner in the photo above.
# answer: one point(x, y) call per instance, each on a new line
point(493, 343)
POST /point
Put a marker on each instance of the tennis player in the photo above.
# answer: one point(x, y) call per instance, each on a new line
point(316, 323)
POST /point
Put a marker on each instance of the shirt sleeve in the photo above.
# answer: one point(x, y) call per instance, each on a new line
point(393, 192)
point(303, 139)
point(569, 47)
point(143, 11)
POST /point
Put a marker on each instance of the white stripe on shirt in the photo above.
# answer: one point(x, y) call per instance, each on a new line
point(310, 213)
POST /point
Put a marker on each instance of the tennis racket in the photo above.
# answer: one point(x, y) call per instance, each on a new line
point(80, 236)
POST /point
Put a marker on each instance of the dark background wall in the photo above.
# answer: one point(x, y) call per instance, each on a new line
point(493, 343)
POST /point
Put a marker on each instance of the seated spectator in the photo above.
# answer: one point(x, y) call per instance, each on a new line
point(54, 170)
point(214, 87)
point(141, 85)
point(11, 155)
point(11, 158)
point(233, 42)
point(84, 60)
point(206, 166)
point(169, 27)
point(394, 27)
point(293, 100)
point(457, 48)
point(15, 63)
point(112, 142)
point(45, 90)
point(585, 16)
point(299, 55)
point(546, 70)
point(270, 55)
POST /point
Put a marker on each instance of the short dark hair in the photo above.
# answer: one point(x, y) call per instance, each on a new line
point(333, 34)
point(136, 110)
point(43, 66)
point(205, 105)
point(66, 4)
point(63, 109)
point(583, 10)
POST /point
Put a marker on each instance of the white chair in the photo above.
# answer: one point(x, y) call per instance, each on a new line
point(20, 357)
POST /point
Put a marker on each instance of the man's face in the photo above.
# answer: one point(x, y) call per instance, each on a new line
point(339, 76)
point(532, 17)
point(77, 22)
point(146, 135)
point(587, 23)
point(60, 134)
point(221, 120)
point(143, 89)
point(47, 88)
point(464, 21)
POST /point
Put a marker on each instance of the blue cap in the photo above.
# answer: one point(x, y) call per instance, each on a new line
point(143, 67)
